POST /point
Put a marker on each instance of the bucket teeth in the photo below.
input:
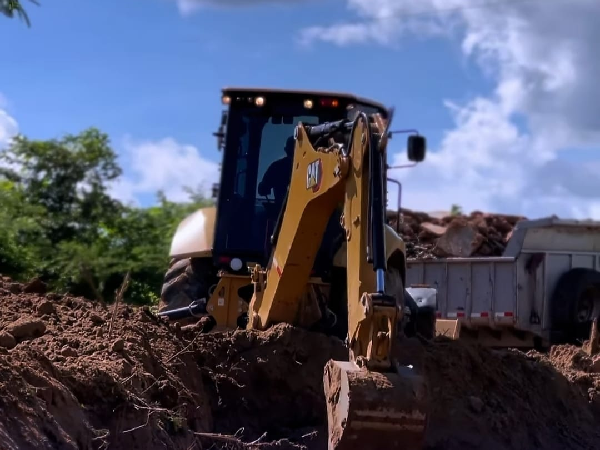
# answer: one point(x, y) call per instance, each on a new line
point(374, 410)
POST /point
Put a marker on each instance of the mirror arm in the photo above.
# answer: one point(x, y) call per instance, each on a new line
point(410, 130)
point(402, 166)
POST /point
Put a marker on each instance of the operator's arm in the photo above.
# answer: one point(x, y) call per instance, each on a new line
point(268, 181)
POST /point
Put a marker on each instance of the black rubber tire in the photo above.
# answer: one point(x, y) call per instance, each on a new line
point(411, 328)
point(426, 323)
point(570, 290)
point(422, 320)
point(394, 286)
point(187, 280)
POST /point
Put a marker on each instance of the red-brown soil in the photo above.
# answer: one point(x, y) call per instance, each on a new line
point(67, 383)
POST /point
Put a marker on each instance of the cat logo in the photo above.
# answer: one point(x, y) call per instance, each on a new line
point(314, 175)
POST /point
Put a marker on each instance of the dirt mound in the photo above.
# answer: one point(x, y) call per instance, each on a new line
point(508, 400)
point(65, 382)
point(476, 234)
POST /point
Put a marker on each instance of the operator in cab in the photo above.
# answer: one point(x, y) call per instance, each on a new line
point(277, 176)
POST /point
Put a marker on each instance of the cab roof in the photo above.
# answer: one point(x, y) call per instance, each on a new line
point(255, 90)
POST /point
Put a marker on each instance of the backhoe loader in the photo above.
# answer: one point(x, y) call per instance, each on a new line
point(333, 264)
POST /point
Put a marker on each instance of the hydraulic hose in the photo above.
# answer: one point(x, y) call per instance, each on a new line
point(376, 205)
point(376, 200)
point(194, 309)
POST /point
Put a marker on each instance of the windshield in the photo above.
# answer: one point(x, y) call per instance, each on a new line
point(257, 168)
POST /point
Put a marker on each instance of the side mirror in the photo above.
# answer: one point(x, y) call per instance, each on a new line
point(416, 147)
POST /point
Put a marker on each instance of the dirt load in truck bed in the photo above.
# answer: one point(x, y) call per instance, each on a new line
point(71, 378)
point(475, 234)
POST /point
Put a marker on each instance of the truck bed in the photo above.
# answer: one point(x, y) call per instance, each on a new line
point(512, 292)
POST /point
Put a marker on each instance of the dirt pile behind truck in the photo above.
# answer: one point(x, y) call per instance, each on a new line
point(67, 382)
point(464, 235)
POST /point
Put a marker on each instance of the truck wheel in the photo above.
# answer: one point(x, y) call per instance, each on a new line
point(412, 327)
point(187, 280)
point(394, 286)
point(574, 304)
point(422, 320)
point(426, 323)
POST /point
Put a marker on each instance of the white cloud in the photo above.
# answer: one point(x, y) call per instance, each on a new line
point(8, 125)
point(163, 165)
point(3, 101)
point(542, 56)
point(378, 22)
point(150, 166)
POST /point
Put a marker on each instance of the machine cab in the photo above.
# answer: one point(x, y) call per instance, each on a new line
point(256, 137)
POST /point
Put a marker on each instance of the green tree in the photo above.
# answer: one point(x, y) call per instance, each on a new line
point(69, 178)
point(10, 8)
point(455, 210)
point(58, 220)
point(66, 181)
point(140, 244)
point(21, 232)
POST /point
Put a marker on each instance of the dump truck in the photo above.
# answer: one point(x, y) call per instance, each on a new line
point(543, 290)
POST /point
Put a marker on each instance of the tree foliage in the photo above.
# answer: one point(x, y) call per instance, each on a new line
point(12, 8)
point(59, 221)
point(455, 210)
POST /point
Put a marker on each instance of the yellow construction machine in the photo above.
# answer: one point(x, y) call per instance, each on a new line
point(330, 263)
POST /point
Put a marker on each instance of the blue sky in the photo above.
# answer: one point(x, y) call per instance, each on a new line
point(150, 75)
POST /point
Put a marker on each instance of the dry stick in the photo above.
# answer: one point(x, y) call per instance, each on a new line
point(593, 344)
point(186, 348)
point(257, 441)
point(142, 425)
point(118, 298)
point(223, 438)
point(232, 439)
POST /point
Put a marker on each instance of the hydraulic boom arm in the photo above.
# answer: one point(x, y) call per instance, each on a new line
point(371, 401)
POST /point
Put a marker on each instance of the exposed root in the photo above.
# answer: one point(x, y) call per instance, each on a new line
point(234, 442)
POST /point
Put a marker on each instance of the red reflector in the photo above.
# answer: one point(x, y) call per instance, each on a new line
point(460, 314)
point(224, 260)
point(485, 314)
point(438, 314)
point(508, 314)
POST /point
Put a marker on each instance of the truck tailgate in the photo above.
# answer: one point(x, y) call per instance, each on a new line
point(478, 291)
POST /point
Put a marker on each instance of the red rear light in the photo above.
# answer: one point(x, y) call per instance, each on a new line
point(329, 102)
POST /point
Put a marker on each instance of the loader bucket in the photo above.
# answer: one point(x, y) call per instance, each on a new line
point(374, 410)
point(449, 328)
